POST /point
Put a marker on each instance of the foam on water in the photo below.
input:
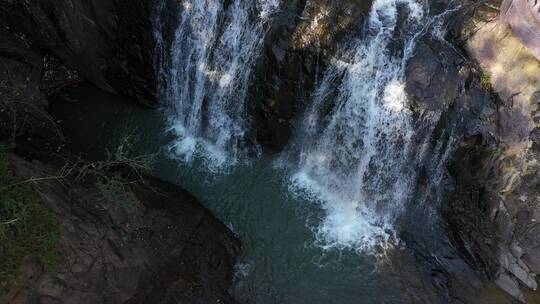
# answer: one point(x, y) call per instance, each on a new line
point(358, 162)
point(204, 77)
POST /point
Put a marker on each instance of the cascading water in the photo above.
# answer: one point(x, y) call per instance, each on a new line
point(360, 161)
point(360, 152)
point(205, 72)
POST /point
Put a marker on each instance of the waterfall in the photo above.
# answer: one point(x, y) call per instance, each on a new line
point(359, 147)
point(205, 72)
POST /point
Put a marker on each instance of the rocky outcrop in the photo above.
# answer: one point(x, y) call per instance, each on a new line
point(444, 86)
point(523, 16)
point(299, 44)
point(492, 214)
point(485, 85)
point(25, 78)
point(162, 247)
point(109, 42)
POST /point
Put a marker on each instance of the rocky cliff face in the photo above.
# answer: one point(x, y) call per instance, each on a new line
point(486, 85)
point(494, 210)
point(109, 42)
point(23, 93)
point(299, 44)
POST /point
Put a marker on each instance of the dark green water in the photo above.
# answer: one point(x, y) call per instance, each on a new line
point(279, 264)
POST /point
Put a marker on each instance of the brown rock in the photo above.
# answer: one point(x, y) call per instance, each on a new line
point(164, 248)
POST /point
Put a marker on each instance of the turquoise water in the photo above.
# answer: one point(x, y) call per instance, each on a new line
point(280, 262)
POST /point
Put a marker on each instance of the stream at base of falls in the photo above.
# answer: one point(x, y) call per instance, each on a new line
point(347, 212)
point(279, 263)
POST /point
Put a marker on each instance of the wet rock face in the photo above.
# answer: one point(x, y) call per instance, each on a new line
point(433, 82)
point(299, 44)
point(495, 229)
point(442, 83)
point(162, 247)
point(109, 42)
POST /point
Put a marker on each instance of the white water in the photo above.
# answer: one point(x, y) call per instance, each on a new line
point(359, 162)
point(205, 75)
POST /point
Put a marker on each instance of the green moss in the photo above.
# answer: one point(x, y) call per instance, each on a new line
point(28, 230)
point(485, 82)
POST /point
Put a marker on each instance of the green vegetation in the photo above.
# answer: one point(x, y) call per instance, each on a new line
point(485, 82)
point(28, 230)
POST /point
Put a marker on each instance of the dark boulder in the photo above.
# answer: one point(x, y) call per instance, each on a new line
point(161, 247)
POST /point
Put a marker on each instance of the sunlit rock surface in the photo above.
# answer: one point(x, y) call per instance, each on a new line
point(496, 208)
point(524, 18)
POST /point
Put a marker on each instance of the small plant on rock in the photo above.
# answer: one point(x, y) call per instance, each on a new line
point(114, 175)
point(485, 82)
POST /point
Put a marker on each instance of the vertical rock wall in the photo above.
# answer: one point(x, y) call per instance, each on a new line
point(495, 210)
point(109, 42)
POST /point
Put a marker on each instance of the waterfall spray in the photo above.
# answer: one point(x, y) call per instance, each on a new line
point(205, 73)
point(360, 161)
